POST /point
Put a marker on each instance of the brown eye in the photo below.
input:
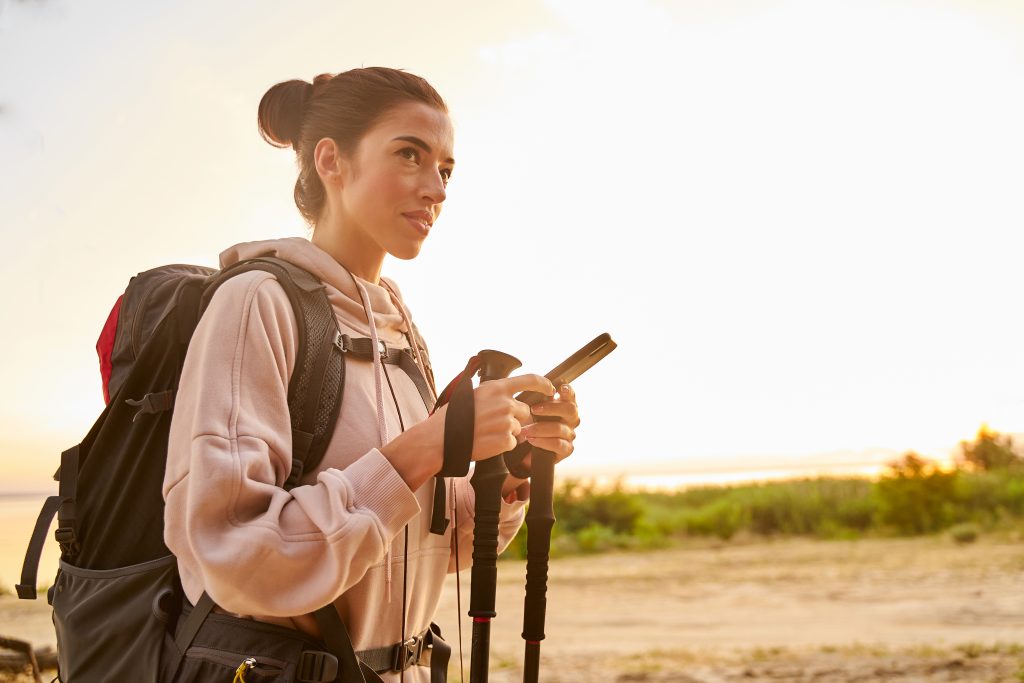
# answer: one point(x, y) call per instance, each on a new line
point(410, 153)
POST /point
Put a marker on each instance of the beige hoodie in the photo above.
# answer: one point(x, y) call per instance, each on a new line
point(277, 555)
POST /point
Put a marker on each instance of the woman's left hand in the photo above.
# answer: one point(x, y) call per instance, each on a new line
point(551, 435)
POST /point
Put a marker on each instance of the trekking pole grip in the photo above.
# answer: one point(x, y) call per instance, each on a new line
point(488, 477)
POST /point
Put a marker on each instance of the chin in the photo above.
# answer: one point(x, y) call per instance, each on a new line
point(407, 252)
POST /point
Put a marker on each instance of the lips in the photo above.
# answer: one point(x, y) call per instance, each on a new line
point(420, 220)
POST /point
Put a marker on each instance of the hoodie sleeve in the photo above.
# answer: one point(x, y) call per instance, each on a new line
point(254, 547)
point(510, 518)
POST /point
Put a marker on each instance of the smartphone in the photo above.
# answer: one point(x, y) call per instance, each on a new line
point(573, 366)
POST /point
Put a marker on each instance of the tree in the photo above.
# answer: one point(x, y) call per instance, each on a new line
point(990, 450)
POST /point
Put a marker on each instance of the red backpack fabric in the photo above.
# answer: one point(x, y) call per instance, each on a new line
point(105, 346)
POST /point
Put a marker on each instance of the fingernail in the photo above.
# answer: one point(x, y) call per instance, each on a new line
point(565, 387)
point(539, 408)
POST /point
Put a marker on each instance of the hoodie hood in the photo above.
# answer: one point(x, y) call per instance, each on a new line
point(341, 288)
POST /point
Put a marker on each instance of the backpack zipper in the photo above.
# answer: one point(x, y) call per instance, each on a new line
point(235, 660)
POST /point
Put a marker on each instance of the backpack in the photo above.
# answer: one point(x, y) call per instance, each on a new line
point(117, 595)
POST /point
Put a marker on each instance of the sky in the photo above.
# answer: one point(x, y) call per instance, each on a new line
point(801, 220)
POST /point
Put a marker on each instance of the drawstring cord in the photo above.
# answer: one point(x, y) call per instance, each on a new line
point(414, 342)
point(378, 384)
point(458, 582)
point(405, 559)
point(382, 427)
point(452, 496)
point(378, 371)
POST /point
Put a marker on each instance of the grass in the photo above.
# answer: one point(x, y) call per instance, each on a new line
point(907, 501)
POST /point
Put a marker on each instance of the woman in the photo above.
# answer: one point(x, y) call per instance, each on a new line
point(374, 148)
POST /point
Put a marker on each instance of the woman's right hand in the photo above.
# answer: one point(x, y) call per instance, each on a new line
point(418, 453)
point(499, 417)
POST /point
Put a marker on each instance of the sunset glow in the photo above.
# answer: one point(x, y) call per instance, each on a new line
point(800, 220)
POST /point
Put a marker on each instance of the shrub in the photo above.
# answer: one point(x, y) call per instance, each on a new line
point(964, 533)
point(915, 496)
point(721, 518)
point(579, 506)
point(596, 538)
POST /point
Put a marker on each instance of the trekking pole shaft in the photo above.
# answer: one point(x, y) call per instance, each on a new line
point(488, 477)
point(539, 519)
point(487, 480)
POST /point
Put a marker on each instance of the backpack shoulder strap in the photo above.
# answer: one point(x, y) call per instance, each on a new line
point(318, 381)
point(314, 395)
point(417, 339)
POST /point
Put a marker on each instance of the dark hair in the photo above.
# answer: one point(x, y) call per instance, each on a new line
point(342, 107)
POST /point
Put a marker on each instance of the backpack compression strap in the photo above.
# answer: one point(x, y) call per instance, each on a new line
point(62, 505)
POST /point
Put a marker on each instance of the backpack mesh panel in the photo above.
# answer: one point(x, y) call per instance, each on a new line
point(321, 328)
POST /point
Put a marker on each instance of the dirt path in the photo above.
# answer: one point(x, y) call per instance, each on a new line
point(908, 610)
point(795, 610)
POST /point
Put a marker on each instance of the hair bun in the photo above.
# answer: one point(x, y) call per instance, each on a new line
point(281, 110)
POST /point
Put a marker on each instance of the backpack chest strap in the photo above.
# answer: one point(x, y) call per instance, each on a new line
point(362, 348)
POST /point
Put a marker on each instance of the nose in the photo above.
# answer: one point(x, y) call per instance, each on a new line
point(433, 188)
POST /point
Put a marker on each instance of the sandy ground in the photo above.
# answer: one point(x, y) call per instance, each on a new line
point(793, 610)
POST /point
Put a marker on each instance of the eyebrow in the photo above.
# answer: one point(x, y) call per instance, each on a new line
point(419, 143)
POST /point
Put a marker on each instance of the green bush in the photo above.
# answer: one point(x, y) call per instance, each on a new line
point(596, 538)
point(722, 518)
point(579, 506)
point(964, 533)
point(914, 496)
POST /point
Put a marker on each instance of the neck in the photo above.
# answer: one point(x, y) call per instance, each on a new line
point(351, 248)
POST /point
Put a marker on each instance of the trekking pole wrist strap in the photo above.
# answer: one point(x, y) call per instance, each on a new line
point(459, 422)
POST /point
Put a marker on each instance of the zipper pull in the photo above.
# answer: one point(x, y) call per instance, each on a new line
point(247, 663)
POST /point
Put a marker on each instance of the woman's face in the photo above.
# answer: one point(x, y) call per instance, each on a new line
point(395, 180)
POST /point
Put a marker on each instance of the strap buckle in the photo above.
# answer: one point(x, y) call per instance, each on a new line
point(407, 653)
point(362, 347)
point(65, 537)
point(316, 666)
point(151, 404)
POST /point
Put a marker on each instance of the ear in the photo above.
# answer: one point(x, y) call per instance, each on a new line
point(331, 165)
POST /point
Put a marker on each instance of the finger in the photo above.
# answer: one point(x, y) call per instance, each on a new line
point(558, 430)
point(567, 412)
point(567, 394)
point(521, 412)
point(560, 447)
point(537, 383)
point(563, 408)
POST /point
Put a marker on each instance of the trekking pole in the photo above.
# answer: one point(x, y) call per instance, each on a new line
point(540, 517)
point(487, 481)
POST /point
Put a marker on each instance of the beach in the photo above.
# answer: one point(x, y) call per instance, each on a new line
point(922, 609)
